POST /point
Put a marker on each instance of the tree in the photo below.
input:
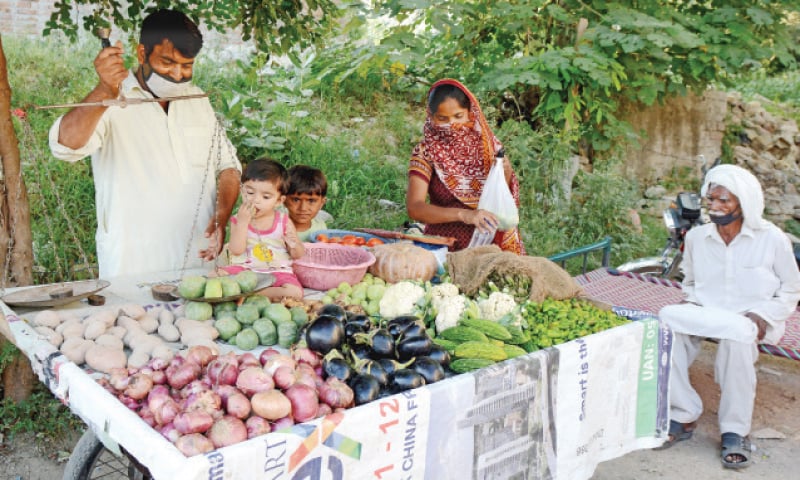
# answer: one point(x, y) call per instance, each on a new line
point(275, 28)
point(572, 62)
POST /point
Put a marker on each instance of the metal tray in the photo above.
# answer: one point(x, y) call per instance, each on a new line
point(39, 296)
point(264, 280)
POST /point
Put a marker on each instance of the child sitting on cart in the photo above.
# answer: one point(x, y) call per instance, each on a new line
point(262, 238)
point(305, 198)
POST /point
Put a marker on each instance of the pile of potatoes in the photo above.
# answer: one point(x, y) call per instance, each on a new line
point(123, 336)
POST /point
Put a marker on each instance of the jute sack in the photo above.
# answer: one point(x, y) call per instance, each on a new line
point(469, 269)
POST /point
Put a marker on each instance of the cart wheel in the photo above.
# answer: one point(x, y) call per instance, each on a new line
point(91, 460)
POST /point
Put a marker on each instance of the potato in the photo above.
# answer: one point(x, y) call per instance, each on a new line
point(103, 358)
point(73, 329)
point(132, 310)
point(47, 318)
point(148, 322)
point(117, 331)
point(138, 359)
point(169, 332)
point(74, 348)
point(67, 323)
point(108, 317)
point(94, 329)
point(53, 337)
point(165, 316)
point(109, 340)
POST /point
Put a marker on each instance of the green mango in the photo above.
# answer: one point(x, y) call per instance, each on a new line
point(247, 280)
point(246, 339)
point(230, 287)
point(227, 327)
point(192, 286)
point(213, 288)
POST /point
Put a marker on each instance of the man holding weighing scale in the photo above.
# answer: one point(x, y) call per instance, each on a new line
point(166, 175)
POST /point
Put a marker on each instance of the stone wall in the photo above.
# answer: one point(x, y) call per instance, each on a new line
point(685, 127)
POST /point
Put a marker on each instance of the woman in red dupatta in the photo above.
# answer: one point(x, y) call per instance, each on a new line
point(450, 166)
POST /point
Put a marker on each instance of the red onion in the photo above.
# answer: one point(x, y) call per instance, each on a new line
point(281, 423)
point(166, 412)
point(194, 444)
point(157, 396)
point(170, 432)
point(238, 406)
point(247, 360)
point(271, 404)
point(200, 354)
point(228, 430)
point(257, 426)
point(266, 354)
point(252, 380)
point(207, 401)
point(159, 377)
point(146, 415)
point(223, 370)
point(336, 393)
point(157, 363)
point(129, 402)
point(139, 386)
point(180, 376)
point(118, 378)
point(306, 355)
point(304, 400)
point(193, 422)
point(225, 391)
point(279, 360)
point(324, 409)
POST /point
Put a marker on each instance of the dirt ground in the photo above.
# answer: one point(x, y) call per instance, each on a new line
point(777, 417)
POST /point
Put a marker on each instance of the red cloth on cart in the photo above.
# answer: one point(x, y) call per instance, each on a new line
point(650, 294)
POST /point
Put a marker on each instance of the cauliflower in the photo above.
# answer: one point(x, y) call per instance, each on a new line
point(496, 306)
point(449, 311)
point(442, 291)
point(401, 298)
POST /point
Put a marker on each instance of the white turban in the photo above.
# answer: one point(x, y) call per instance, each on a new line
point(745, 186)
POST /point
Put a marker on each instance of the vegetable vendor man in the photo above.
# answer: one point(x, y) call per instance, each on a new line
point(741, 283)
point(156, 165)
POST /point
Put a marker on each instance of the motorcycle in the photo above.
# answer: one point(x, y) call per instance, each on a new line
point(683, 214)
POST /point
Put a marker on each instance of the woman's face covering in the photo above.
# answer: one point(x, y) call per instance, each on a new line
point(450, 112)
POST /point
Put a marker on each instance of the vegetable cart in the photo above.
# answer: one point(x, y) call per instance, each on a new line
point(554, 413)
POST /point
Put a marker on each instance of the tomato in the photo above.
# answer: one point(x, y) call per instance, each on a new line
point(349, 240)
point(360, 241)
point(322, 238)
point(335, 240)
point(374, 241)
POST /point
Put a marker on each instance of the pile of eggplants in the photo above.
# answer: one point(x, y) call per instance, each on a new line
point(375, 357)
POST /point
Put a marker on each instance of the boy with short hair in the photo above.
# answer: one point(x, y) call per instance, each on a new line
point(305, 197)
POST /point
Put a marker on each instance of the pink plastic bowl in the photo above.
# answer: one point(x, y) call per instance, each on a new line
point(326, 265)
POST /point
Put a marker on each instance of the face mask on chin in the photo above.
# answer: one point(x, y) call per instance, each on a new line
point(162, 86)
point(725, 219)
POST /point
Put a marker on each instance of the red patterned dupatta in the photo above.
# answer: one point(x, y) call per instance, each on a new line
point(461, 156)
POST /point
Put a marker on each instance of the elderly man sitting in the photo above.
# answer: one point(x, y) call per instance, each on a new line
point(740, 283)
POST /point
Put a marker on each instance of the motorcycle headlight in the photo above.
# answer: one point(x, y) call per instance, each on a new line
point(670, 221)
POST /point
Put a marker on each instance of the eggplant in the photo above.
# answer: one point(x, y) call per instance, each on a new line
point(365, 388)
point(414, 330)
point(382, 343)
point(398, 325)
point(359, 351)
point(336, 366)
point(440, 354)
point(367, 366)
point(324, 334)
point(409, 347)
point(390, 364)
point(431, 370)
point(405, 379)
point(333, 310)
point(351, 329)
point(361, 319)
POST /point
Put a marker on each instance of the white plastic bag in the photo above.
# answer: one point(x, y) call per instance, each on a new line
point(496, 198)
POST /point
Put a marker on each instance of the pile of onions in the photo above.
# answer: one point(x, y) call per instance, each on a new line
point(201, 401)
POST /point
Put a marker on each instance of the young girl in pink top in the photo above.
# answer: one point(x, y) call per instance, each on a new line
point(264, 239)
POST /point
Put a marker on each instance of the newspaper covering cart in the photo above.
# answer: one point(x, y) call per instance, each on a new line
point(551, 414)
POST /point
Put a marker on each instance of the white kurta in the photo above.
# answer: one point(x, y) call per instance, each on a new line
point(149, 167)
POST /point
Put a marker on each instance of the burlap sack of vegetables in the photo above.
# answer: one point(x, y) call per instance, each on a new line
point(471, 268)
